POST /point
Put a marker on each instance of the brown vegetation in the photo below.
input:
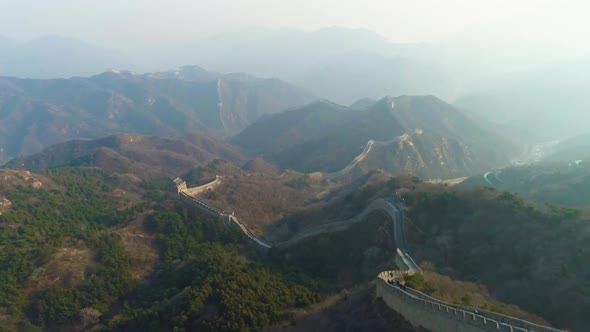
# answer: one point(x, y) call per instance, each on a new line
point(140, 246)
point(260, 199)
point(147, 156)
point(471, 294)
point(69, 267)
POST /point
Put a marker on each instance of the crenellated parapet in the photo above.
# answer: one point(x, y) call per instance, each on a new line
point(205, 187)
point(182, 187)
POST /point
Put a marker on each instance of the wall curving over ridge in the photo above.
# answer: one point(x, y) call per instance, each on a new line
point(437, 316)
point(419, 309)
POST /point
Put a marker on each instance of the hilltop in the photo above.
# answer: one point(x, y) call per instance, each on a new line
point(149, 156)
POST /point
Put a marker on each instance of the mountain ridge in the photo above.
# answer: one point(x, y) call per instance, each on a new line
point(131, 153)
point(36, 113)
point(335, 135)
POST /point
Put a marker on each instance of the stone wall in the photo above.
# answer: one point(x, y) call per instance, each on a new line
point(403, 259)
point(248, 233)
point(210, 210)
point(208, 186)
point(437, 316)
point(186, 196)
point(417, 314)
point(338, 226)
point(419, 309)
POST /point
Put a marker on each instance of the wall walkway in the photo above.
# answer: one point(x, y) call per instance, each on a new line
point(435, 315)
point(186, 195)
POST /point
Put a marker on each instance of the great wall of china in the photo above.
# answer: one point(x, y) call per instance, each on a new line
point(366, 150)
point(416, 307)
point(187, 195)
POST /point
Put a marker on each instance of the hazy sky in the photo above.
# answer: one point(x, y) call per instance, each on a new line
point(131, 23)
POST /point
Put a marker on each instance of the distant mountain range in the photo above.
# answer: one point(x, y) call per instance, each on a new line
point(133, 154)
point(339, 64)
point(345, 64)
point(419, 135)
point(336, 63)
point(37, 113)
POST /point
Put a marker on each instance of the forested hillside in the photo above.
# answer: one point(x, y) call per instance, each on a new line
point(510, 249)
point(70, 209)
point(70, 260)
point(514, 247)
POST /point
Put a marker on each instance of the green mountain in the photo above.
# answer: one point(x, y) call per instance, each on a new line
point(327, 137)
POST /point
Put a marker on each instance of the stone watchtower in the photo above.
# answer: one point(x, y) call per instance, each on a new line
point(180, 185)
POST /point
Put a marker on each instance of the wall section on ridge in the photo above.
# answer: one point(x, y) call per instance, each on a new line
point(417, 308)
point(417, 314)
